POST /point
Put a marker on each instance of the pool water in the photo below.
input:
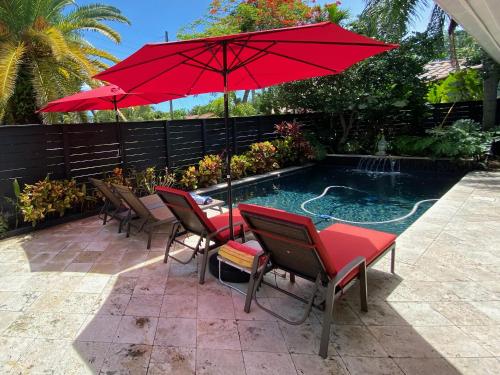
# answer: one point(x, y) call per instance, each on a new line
point(377, 197)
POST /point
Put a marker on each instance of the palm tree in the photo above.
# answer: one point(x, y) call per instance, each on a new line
point(393, 18)
point(43, 54)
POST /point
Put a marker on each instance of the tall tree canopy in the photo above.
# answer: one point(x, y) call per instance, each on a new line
point(235, 16)
point(44, 55)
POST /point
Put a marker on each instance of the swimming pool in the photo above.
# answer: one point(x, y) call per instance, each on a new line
point(376, 197)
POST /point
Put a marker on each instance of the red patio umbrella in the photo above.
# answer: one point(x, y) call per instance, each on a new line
point(242, 62)
point(108, 97)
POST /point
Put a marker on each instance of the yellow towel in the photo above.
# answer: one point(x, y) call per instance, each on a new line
point(236, 260)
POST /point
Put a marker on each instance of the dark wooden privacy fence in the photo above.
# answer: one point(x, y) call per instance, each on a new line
point(31, 152)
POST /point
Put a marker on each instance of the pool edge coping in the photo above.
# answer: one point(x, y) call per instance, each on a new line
point(253, 179)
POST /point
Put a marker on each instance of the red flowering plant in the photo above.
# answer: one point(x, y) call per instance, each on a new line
point(292, 147)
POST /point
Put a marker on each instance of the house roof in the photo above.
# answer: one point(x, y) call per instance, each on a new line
point(440, 69)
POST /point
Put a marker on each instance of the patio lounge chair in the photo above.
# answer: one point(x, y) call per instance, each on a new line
point(148, 218)
point(113, 204)
point(214, 231)
point(334, 257)
point(115, 208)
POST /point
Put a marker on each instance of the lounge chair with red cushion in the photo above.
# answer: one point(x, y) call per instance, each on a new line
point(214, 231)
point(335, 256)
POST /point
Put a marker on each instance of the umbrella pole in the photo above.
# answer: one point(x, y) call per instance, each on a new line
point(116, 108)
point(228, 147)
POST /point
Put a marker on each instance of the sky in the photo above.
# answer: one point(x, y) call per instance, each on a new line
point(150, 19)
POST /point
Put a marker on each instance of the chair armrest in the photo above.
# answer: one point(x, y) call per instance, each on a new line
point(348, 268)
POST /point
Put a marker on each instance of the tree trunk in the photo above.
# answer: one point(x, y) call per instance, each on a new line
point(245, 96)
point(21, 107)
point(346, 128)
point(490, 86)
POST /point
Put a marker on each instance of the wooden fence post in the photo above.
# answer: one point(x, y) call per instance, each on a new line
point(259, 129)
point(167, 142)
point(121, 145)
point(67, 167)
point(203, 137)
point(233, 134)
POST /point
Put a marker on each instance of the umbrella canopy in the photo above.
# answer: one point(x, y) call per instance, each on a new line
point(250, 60)
point(108, 97)
point(243, 61)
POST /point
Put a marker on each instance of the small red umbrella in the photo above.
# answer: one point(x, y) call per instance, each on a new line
point(108, 97)
point(243, 61)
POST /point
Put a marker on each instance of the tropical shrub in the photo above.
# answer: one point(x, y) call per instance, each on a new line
point(460, 86)
point(295, 147)
point(285, 153)
point(116, 177)
point(463, 139)
point(189, 179)
point(210, 170)
point(240, 165)
point(262, 157)
point(46, 197)
point(149, 178)
point(4, 225)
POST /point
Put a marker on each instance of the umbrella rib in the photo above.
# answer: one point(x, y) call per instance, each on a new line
point(120, 68)
point(246, 68)
point(203, 71)
point(357, 44)
point(164, 71)
point(214, 55)
point(258, 55)
point(202, 67)
point(237, 55)
point(296, 59)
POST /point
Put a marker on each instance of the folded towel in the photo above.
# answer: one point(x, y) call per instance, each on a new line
point(239, 254)
point(201, 199)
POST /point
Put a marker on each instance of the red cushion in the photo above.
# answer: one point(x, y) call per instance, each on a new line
point(222, 220)
point(345, 242)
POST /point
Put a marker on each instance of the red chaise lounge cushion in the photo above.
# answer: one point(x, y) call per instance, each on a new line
point(345, 242)
point(222, 220)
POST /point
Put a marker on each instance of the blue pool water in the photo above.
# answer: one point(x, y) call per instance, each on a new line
point(378, 197)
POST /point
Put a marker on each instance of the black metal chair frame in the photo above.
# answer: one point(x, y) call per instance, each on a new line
point(316, 273)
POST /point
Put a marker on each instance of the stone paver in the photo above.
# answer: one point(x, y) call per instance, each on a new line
point(82, 299)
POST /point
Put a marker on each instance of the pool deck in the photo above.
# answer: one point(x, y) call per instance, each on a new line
point(80, 298)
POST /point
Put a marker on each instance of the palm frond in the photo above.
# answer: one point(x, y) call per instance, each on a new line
point(11, 58)
point(96, 52)
point(91, 25)
point(52, 38)
point(97, 12)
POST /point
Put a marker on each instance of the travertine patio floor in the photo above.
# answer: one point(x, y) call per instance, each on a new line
point(80, 298)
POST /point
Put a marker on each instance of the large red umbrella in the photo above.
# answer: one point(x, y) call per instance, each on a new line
point(108, 97)
point(242, 62)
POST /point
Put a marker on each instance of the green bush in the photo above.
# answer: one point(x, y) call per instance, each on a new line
point(148, 179)
point(295, 147)
point(210, 170)
point(189, 179)
point(460, 86)
point(463, 139)
point(262, 157)
point(4, 225)
point(46, 197)
point(240, 165)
